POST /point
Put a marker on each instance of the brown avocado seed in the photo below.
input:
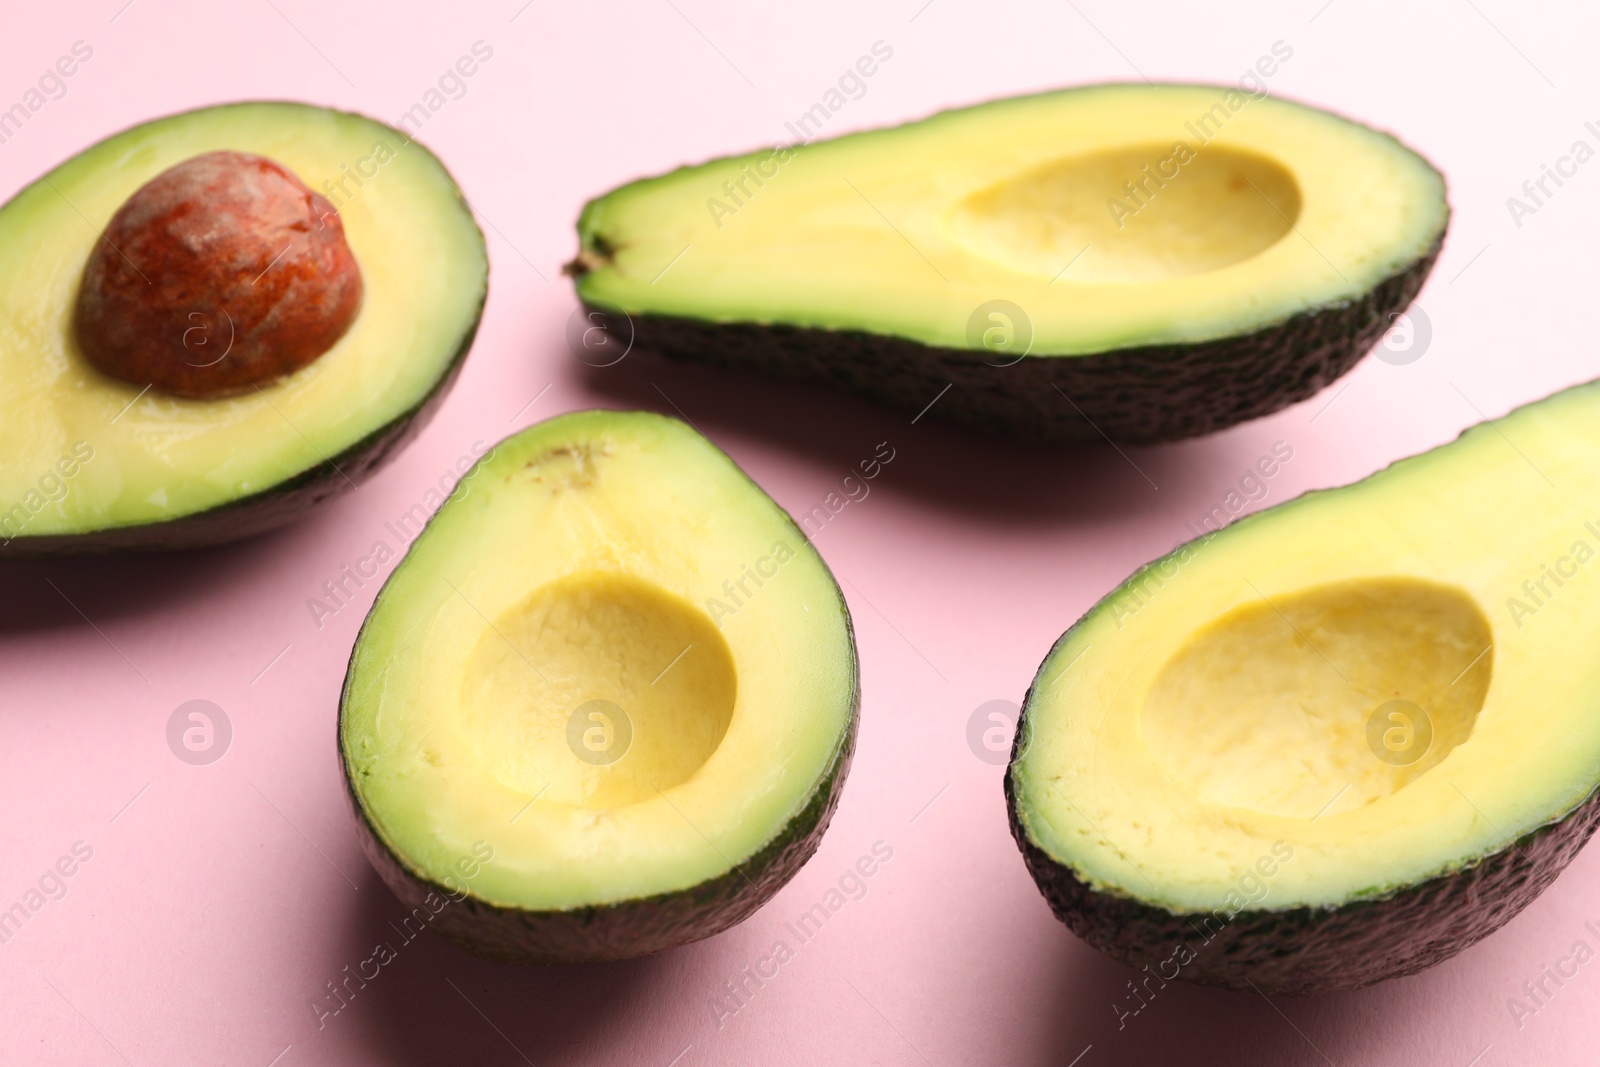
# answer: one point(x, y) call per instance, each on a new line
point(218, 275)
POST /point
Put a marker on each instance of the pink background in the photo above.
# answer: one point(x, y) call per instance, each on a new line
point(221, 901)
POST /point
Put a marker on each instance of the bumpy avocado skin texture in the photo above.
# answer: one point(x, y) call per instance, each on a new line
point(272, 508)
point(1131, 395)
point(1310, 951)
point(625, 930)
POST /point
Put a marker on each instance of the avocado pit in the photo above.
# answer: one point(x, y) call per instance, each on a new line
point(220, 274)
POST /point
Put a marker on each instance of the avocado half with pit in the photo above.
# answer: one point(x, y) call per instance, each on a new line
point(613, 666)
point(1339, 740)
point(1145, 262)
point(93, 463)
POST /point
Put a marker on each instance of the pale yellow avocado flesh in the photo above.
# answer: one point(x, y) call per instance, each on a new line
point(157, 457)
point(1267, 208)
point(1219, 701)
point(590, 559)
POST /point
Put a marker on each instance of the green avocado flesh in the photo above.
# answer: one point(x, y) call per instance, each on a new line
point(613, 664)
point(1152, 260)
point(1341, 739)
point(167, 472)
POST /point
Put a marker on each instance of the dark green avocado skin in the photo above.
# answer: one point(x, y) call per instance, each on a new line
point(1131, 395)
point(629, 929)
point(1308, 951)
point(259, 513)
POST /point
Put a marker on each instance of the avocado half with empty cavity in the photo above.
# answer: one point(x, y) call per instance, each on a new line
point(1146, 262)
point(605, 704)
point(94, 462)
point(1339, 740)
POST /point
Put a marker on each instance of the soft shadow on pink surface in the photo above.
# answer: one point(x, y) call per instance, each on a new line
point(954, 466)
point(48, 594)
point(438, 1004)
point(1218, 1027)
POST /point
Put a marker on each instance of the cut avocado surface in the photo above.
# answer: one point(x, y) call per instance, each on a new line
point(614, 663)
point(170, 472)
point(1339, 740)
point(1150, 261)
